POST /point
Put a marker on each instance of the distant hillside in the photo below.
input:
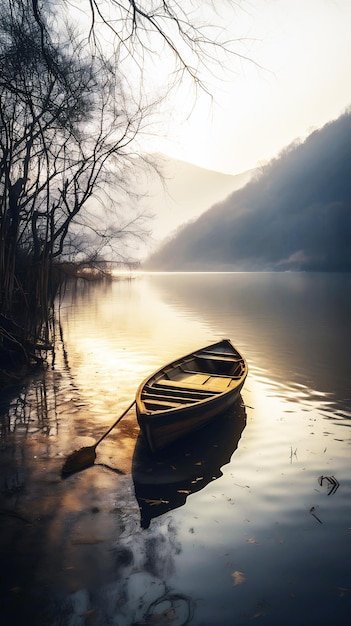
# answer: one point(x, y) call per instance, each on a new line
point(296, 215)
point(184, 194)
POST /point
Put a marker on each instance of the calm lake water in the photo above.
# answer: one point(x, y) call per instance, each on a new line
point(248, 521)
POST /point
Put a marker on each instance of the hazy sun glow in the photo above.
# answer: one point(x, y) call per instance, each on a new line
point(298, 79)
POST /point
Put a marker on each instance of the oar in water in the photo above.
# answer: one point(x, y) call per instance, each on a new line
point(84, 457)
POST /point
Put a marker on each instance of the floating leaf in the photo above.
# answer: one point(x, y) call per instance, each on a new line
point(238, 578)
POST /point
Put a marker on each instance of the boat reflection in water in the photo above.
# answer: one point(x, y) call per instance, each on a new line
point(164, 480)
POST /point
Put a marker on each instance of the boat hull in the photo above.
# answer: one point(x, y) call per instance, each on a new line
point(189, 393)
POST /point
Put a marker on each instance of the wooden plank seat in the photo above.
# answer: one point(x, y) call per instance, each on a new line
point(210, 385)
point(187, 385)
point(215, 357)
point(236, 375)
point(190, 382)
point(220, 354)
point(175, 391)
point(149, 397)
point(219, 384)
point(165, 400)
point(171, 395)
point(159, 405)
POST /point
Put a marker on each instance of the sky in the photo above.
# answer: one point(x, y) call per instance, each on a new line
point(298, 79)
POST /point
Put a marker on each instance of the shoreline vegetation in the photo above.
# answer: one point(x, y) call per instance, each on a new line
point(27, 321)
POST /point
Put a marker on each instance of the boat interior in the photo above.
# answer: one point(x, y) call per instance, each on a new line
point(196, 378)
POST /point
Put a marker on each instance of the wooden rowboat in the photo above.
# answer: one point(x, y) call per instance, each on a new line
point(188, 393)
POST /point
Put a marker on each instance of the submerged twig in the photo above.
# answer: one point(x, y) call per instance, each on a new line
point(293, 453)
point(312, 511)
point(334, 484)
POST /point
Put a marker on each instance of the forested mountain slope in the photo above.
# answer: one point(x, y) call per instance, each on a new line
point(183, 193)
point(295, 215)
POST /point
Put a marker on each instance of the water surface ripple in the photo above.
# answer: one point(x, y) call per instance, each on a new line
point(249, 520)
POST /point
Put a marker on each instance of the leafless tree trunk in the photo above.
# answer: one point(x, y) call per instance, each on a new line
point(68, 121)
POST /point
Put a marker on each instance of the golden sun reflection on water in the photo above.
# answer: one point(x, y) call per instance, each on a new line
point(114, 343)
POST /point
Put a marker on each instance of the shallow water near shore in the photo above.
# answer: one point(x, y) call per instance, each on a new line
point(250, 520)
